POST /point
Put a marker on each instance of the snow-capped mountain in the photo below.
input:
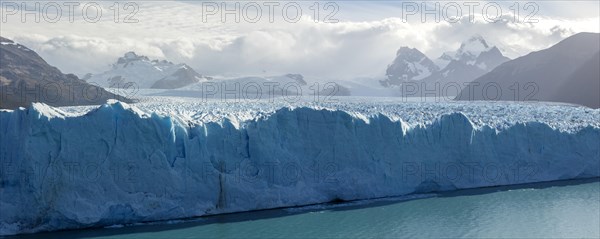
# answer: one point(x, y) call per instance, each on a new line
point(474, 58)
point(476, 52)
point(146, 73)
point(410, 64)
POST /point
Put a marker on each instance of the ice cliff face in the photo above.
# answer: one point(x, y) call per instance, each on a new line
point(119, 164)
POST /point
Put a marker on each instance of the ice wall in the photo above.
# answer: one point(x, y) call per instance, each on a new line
point(117, 164)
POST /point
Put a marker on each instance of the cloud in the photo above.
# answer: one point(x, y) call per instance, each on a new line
point(350, 48)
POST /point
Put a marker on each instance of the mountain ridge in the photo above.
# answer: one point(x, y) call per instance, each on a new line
point(143, 72)
point(25, 78)
point(544, 75)
point(472, 59)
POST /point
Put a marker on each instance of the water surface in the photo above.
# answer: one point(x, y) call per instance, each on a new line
point(563, 209)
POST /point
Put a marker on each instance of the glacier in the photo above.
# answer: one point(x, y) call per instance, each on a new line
point(78, 167)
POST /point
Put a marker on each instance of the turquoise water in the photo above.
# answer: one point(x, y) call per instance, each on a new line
point(564, 209)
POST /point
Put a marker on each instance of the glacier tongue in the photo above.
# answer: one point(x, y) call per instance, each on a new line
point(118, 164)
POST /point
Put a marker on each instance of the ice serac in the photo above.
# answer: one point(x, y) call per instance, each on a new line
point(118, 164)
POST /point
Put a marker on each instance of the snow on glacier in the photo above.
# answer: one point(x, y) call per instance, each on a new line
point(173, 158)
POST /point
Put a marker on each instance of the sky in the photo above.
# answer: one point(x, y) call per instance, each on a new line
point(343, 39)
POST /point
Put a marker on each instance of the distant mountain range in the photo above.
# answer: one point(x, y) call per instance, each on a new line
point(146, 73)
point(182, 80)
point(473, 58)
point(25, 78)
point(566, 72)
point(258, 87)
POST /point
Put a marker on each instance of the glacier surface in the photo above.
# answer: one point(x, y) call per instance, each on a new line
point(76, 167)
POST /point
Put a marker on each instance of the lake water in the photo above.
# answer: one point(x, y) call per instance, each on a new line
point(560, 209)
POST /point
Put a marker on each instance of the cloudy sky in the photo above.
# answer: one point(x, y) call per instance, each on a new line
point(341, 40)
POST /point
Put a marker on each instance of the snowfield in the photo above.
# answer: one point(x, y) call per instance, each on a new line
point(171, 158)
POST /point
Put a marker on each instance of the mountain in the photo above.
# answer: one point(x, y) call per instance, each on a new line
point(25, 78)
point(450, 72)
point(474, 51)
point(566, 72)
point(583, 86)
point(410, 64)
point(146, 73)
point(474, 58)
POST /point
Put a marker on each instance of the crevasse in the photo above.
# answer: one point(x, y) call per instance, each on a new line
point(117, 164)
